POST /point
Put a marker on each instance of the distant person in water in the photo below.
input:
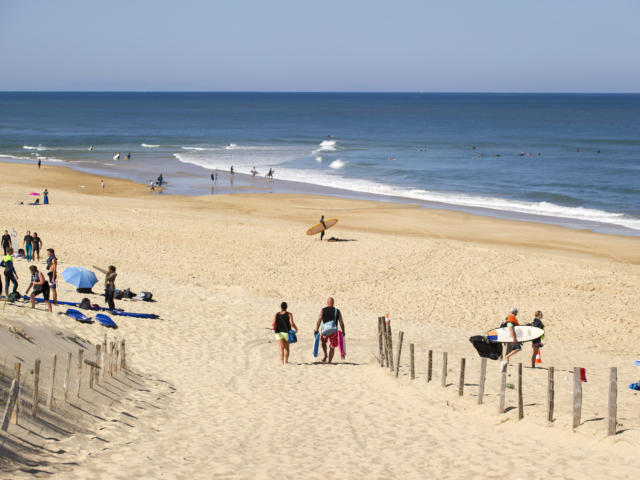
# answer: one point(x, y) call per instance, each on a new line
point(40, 286)
point(117, 156)
point(282, 324)
point(128, 156)
point(160, 180)
point(213, 178)
point(270, 174)
point(254, 172)
point(231, 170)
point(325, 227)
point(91, 148)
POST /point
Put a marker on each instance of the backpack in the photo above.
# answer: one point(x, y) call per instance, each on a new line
point(126, 293)
point(330, 328)
point(485, 348)
point(145, 296)
point(117, 294)
point(13, 297)
point(85, 304)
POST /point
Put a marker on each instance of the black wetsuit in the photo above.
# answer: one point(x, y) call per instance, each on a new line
point(6, 242)
point(325, 227)
point(283, 323)
point(40, 289)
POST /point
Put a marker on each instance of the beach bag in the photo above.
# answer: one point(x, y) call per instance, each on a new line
point(13, 297)
point(117, 294)
point(21, 252)
point(126, 293)
point(330, 328)
point(485, 348)
point(292, 336)
point(85, 304)
point(145, 296)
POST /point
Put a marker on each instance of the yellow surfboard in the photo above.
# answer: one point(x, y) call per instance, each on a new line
point(318, 227)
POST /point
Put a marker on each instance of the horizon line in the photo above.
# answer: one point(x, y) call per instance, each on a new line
point(399, 92)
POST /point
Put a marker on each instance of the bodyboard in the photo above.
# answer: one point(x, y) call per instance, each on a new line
point(316, 345)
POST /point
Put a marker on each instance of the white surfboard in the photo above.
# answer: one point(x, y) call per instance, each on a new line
point(524, 333)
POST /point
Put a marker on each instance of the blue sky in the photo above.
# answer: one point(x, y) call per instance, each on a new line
point(282, 45)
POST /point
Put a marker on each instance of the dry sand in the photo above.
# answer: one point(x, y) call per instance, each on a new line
point(220, 265)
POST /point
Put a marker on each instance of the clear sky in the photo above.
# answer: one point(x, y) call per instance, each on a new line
point(302, 45)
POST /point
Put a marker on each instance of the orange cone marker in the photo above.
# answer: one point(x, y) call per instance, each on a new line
point(539, 357)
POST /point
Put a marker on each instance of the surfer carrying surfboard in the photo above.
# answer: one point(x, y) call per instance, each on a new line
point(328, 321)
point(324, 225)
point(515, 346)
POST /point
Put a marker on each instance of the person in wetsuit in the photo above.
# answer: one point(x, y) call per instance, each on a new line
point(282, 324)
point(52, 273)
point(6, 241)
point(325, 227)
point(330, 314)
point(26, 243)
point(10, 274)
point(40, 286)
point(36, 243)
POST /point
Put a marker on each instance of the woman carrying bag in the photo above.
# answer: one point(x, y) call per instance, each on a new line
point(283, 326)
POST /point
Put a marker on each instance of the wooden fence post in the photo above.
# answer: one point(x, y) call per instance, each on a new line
point(54, 359)
point(461, 379)
point(481, 382)
point(67, 375)
point(503, 389)
point(103, 357)
point(577, 397)
point(36, 388)
point(16, 409)
point(550, 394)
point(380, 327)
point(520, 401)
point(613, 401)
point(401, 336)
point(413, 368)
point(11, 404)
point(98, 359)
point(429, 365)
point(443, 380)
point(390, 349)
point(80, 355)
point(123, 356)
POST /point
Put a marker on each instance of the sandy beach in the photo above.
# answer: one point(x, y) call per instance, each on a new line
point(219, 266)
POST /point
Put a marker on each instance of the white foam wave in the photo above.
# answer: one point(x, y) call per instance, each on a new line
point(337, 164)
point(327, 146)
point(197, 149)
point(231, 146)
point(319, 159)
point(50, 159)
point(146, 145)
point(39, 148)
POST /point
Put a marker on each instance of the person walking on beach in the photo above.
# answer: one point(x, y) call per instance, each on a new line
point(213, 179)
point(10, 274)
point(109, 284)
point(231, 170)
point(36, 243)
point(536, 345)
point(40, 286)
point(6, 241)
point(39, 163)
point(328, 315)
point(52, 273)
point(324, 226)
point(282, 324)
point(26, 243)
point(45, 196)
point(515, 346)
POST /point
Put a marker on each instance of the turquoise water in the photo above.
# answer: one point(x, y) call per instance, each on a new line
point(568, 159)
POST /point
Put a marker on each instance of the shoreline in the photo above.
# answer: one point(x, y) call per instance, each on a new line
point(426, 222)
point(192, 181)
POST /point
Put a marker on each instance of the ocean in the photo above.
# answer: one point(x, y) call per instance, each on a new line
point(572, 160)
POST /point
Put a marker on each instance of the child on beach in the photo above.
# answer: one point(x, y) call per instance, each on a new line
point(282, 324)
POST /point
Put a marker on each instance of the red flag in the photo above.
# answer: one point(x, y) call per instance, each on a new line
point(583, 374)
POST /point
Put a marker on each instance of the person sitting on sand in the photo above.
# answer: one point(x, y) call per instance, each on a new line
point(52, 273)
point(10, 274)
point(282, 324)
point(536, 345)
point(515, 346)
point(330, 314)
point(40, 286)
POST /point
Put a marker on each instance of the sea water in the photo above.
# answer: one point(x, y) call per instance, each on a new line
point(567, 159)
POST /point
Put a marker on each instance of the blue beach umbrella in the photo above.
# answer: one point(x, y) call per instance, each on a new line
point(79, 277)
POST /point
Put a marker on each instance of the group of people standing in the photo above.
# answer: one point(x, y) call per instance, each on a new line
point(31, 244)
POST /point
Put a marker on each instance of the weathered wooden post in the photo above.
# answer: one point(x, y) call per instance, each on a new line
point(401, 336)
point(483, 378)
point(520, 401)
point(36, 388)
point(577, 397)
point(98, 360)
point(54, 359)
point(380, 349)
point(429, 365)
point(11, 404)
point(67, 377)
point(443, 379)
point(413, 368)
point(123, 356)
point(390, 348)
point(503, 389)
point(16, 409)
point(80, 355)
point(461, 379)
point(550, 394)
point(613, 401)
point(103, 358)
